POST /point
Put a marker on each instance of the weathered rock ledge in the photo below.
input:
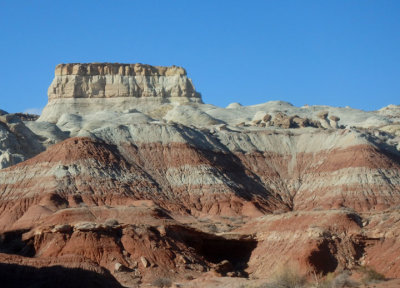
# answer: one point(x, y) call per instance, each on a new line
point(91, 69)
point(105, 80)
point(84, 88)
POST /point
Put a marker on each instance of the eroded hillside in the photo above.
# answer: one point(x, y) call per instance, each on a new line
point(129, 176)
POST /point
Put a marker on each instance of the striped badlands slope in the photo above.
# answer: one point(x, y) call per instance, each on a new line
point(223, 174)
point(226, 173)
point(128, 178)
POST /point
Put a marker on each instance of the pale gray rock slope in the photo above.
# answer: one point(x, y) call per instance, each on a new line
point(193, 123)
point(17, 141)
point(142, 103)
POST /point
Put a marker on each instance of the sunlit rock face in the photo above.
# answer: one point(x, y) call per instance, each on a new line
point(116, 87)
point(121, 80)
point(129, 175)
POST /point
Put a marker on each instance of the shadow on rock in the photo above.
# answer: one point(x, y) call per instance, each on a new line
point(13, 275)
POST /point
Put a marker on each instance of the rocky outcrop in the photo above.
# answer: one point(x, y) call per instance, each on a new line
point(314, 241)
point(93, 69)
point(108, 80)
point(115, 87)
point(284, 121)
point(129, 175)
point(17, 142)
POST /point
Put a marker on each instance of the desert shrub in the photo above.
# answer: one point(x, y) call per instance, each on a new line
point(371, 275)
point(341, 280)
point(287, 278)
point(111, 222)
point(325, 282)
point(162, 282)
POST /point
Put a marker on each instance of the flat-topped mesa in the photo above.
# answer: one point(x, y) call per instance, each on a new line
point(138, 69)
point(88, 87)
point(106, 80)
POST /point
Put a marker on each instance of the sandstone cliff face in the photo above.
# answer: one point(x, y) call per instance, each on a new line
point(134, 83)
point(120, 80)
point(139, 178)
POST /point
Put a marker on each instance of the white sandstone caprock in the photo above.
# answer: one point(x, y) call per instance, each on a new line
point(84, 88)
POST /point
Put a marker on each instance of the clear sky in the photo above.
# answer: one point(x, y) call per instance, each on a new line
point(305, 52)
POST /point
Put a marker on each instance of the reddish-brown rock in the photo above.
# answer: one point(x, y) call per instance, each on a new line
point(86, 198)
point(138, 182)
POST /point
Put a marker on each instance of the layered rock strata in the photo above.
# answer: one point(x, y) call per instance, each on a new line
point(126, 171)
point(107, 80)
point(115, 87)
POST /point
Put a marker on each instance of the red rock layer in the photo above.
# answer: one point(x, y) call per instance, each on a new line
point(80, 170)
point(383, 245)
point(358, 177)
point(82, 183)
point(321, 242)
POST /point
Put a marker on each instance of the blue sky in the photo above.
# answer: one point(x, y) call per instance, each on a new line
point(305, 52)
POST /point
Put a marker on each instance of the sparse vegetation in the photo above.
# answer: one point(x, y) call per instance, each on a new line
point(326, 282)
point(287, 278)
point(370, 275)
point(341, 280)
point(162, 282)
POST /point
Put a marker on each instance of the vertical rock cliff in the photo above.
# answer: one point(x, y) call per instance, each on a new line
point(115, 86)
